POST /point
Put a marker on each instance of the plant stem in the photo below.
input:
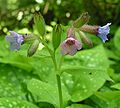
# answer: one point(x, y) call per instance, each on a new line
point(57, 70)
point(59, 90)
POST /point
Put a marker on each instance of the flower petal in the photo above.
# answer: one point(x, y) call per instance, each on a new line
point(78, 44)
point(71, 44)
point(20, 39)
point(104, 31)
point(64, 48)
point(10, 38)
point(14, 34)
point(72, 50)
point(68, 49)
point(14, 46)
point(15, 40)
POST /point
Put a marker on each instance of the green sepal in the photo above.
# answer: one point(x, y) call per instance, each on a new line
point(83, 19)
point(29, 38)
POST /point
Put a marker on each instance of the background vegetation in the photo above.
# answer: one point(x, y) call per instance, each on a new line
point(100, 90)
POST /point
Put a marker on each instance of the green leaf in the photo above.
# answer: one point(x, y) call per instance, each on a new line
point(56, 36)
point(39, 24)
point(86, 73)
point(79, 106)
point(117, 39)
point(33, 48)
point(75, 70)
point(44, 69)
point(45, 105)
point(11, 81)
point(17, 60)
point(116, 86)
point(110, 99)
point(45, 92)
point(15, 103)
point(83, 19)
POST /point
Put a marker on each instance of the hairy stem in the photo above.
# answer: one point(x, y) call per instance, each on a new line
point(57, 70)
point(59, 91)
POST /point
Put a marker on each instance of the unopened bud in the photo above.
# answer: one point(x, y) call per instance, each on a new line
point(39, 24)
point(85, 39)
point(70, 33)
point(90, 29)
point(83, 19)
point(33, 48)
point(56, 36)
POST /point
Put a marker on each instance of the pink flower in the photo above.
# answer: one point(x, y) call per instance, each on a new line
point(70, 45)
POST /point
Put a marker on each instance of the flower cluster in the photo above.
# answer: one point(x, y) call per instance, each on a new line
point(71, 44)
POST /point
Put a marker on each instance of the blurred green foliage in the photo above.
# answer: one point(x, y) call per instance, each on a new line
point(91, 78)
point(18, 14)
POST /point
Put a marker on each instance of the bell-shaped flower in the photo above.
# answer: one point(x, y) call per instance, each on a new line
point(70, 45)
point(15, 40)
point(104, 31)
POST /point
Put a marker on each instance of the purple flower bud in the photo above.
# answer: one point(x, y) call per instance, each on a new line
point(15, 40)
point(104, 31)
point(70, 45)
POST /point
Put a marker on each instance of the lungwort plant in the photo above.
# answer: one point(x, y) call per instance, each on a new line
point(77, 74)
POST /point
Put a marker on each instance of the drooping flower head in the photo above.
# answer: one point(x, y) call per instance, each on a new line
point(70, 45)
point(104, 31)
point(101, 32)
point(15, 40)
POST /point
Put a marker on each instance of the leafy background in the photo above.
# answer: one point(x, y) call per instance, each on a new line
point(90, 79)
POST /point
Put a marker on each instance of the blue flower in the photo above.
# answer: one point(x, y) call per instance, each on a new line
point(104, 31)
point(15, 40)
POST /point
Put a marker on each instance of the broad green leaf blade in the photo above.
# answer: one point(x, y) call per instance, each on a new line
point(15, 103)
point(92, 58)
point(45, 92)
point(9, 84)
point(12, 80)
point(17, 60)
point(111, 99)
point(88, 75)
point(56, 36)
point(116, 86)
point(44, 69)
point(117, 39)
point(39, 24)
point(45, 105)
point(75, 70)
point(79, 106)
